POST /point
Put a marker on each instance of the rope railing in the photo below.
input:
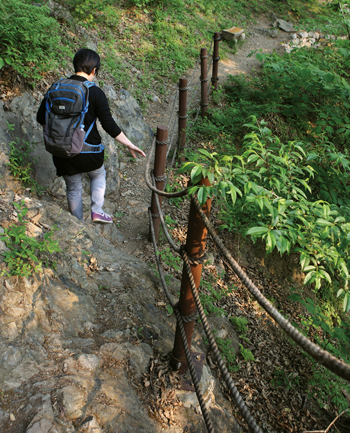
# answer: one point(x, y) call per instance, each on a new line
point(323, 357)
point(320, 355)
point(215, 350)
point(183, 333)
point(149, 181)
point(165, 230)
point(228, 380)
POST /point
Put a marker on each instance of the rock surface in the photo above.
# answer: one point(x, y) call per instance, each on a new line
point(21, 115)
point(284, 25)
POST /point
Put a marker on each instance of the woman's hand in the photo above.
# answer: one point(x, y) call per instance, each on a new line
point(123, 139)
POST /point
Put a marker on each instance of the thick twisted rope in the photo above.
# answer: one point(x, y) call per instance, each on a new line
point(172, 134)
point(182, 333)
point(323, 357)
point(216, 353)
point(165, 229)
point(228, 379)
point(173, 109)
point(160, 270)
point(193, 371)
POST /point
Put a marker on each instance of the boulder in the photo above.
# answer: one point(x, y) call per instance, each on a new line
point(128, 115)
point(284, 25)
point(302, 34)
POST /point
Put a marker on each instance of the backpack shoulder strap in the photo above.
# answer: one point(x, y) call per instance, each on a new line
point(89, 84)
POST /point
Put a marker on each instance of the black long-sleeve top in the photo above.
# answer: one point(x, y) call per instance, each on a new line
point(98, 108)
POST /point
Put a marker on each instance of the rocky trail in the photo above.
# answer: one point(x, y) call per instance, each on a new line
point(159, 112)
point(84, 346)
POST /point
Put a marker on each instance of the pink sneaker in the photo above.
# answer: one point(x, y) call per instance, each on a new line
point(101, 217)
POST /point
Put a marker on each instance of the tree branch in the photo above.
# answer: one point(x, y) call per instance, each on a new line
point(330, 425)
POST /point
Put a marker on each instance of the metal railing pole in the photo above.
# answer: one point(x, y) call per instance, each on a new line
point(182, 117)
point(159, 175)
point(204, 79)
point(216, 58)
point(195, 248)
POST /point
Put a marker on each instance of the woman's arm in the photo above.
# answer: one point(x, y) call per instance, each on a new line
point(124, 140)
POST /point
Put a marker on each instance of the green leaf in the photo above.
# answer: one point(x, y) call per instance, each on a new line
point(340, 291)
point(196, 174)
point(253, 158)
point(344, 268)
point(260, 202)
point(323, 222)
point(2, 63)
point(193, 190)
point(309, 268)
point(186, 166)
point(304, 260)
point(211, 177)
point(308, 277)
point(257, 231)
point(270, 242)
point(204, 152)
point(202, 195)
point(348, 305)
point(326, 275)
point(294, 297)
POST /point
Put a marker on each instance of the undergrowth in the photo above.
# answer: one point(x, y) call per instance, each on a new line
point(25, 254)
point(20, 164)
point(144, 44)
point(275, 149)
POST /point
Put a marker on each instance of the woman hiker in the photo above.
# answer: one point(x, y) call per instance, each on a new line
point(86, 65)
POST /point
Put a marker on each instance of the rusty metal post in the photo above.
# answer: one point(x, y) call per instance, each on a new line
point(182, 117)
point(204, 80)
point(159, 175)
point(195, 248)
point(216, 58)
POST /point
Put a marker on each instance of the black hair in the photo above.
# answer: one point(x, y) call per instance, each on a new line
point(86, 60)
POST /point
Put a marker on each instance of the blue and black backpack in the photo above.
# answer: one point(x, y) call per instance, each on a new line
point(67, 102)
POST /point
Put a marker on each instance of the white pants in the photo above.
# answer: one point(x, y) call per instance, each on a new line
point(74, 190)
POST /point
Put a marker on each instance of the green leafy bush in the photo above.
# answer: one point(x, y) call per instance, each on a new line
point(287, 183)
point(26, 254)
point(94, 12)
point(29, 40)
point(302, 95)
point(20, 164)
